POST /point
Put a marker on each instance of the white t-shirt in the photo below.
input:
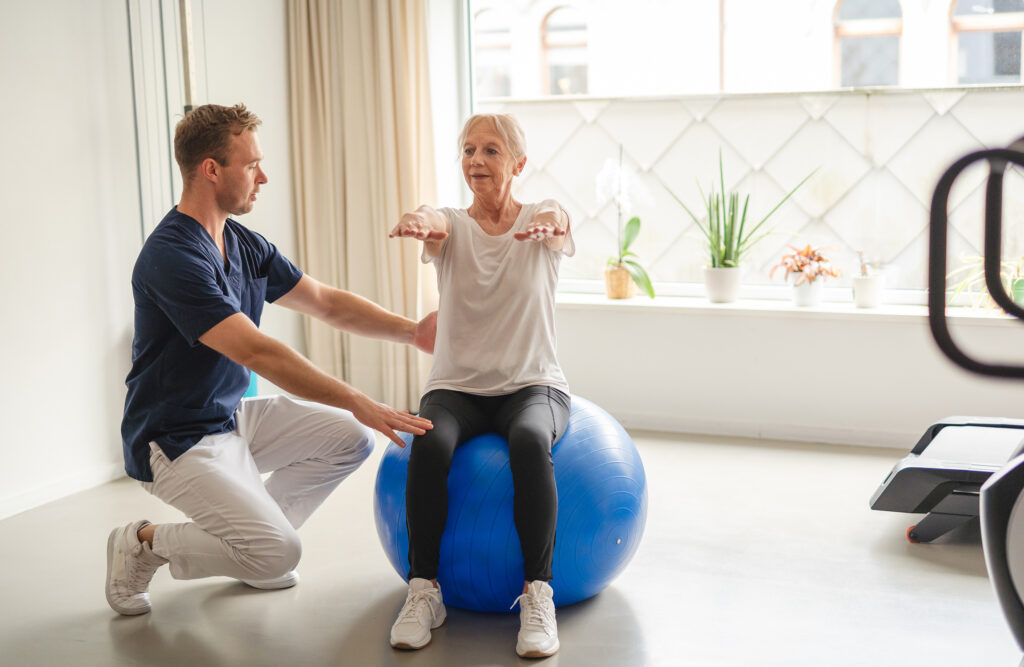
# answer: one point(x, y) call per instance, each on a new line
point(496, 318)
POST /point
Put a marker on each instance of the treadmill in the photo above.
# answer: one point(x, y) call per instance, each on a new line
point(942, 475)
point(1002, 494)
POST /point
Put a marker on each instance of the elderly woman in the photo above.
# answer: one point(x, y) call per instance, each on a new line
point(494, 371)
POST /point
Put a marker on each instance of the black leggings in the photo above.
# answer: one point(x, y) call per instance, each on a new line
point(532, 420)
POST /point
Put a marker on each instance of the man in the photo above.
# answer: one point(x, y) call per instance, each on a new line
point(199, 286)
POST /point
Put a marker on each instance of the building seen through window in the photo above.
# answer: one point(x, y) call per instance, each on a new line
point(988, 38)
point(492, 53)
point(565, 52)
point(868, 42)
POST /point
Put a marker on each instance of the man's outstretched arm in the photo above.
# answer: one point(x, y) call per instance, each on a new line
point(237, 338)
point(352, 313)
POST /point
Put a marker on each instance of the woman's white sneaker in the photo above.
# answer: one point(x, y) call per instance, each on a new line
point(422, 612)
point(538, 632)
point(131, 565)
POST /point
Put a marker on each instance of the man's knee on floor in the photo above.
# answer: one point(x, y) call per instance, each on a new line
point(270, 555)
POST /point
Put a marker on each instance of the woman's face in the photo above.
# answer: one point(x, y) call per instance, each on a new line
point(487, 162)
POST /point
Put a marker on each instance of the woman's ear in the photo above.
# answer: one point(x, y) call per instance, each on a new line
point(519, 167)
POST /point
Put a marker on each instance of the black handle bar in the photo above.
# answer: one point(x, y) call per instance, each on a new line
point(998, 159)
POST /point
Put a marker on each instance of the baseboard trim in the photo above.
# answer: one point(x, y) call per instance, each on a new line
point(769, 431)
point(55, 490)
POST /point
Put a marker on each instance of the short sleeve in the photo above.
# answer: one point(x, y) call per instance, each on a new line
point(281, 274)
point(449, 215)
point(184, 287)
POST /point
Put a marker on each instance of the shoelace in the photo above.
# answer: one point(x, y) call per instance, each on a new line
point(538, 614)
point(140, 573)
point(415, 601)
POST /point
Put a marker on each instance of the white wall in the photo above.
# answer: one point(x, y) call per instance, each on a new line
point(72, 228)
point(825, 375)
point(246, 48)
point(70, 218)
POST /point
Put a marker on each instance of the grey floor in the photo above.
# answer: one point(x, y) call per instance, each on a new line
point(755, 553)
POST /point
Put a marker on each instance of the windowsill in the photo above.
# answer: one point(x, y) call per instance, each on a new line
point(777, 308)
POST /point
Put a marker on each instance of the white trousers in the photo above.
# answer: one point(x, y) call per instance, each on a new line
point(243, 527)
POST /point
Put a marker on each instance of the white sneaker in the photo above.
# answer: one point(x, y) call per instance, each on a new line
point(286, 580)
point(131, 565)
point(538, 632)
point(422, 612)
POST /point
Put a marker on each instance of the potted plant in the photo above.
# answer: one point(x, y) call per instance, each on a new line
point(867, 286)
point(810, 268)
point(623, 272)
point(1011, 275)
point(728, 235)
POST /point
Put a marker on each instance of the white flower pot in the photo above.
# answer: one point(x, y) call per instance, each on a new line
point(808, 293)
point(867, 290)
point(722, 284)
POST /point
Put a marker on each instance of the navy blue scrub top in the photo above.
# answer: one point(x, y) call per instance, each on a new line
point(180, 390)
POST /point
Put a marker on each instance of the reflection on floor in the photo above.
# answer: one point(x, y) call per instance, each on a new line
point(754, 553)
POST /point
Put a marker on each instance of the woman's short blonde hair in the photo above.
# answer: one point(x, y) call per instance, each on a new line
point(507, 127)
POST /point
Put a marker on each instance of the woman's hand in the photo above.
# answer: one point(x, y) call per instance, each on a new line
point(424, 224)
point(549, 223)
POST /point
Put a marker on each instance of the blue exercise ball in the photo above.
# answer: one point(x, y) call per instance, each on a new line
point(602, 508)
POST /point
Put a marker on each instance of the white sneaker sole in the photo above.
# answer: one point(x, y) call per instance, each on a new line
point(537, 652)
point(125, 611)
point(287, 581)
point(423, 641)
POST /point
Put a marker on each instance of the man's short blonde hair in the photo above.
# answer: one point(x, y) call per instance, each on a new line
point(505, 125)
point(205, 132)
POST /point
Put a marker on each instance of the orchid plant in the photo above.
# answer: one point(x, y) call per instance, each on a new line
point(618, 183)
point(808, 262)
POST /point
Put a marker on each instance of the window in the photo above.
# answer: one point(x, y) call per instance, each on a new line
point(988, 40)
point(868, 42)
point(492, 54)
point(565, 52)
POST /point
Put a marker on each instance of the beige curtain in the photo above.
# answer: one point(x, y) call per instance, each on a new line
point(362, 155)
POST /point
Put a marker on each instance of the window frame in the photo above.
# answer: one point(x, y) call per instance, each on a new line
point(995, 22)
point(882, 27)
point(546, 46)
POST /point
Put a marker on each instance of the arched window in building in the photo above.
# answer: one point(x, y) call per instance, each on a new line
point(988, 40)
point(868, 42)
point(564, 49)
point(492, 54)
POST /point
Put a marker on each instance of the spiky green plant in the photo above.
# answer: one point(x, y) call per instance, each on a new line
point(726, 232)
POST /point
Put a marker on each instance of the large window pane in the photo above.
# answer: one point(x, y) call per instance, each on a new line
point(870, 61)
point(985, 7)
point(988, 57)
point(492, 54)
point(869, 9)
point(565, 52)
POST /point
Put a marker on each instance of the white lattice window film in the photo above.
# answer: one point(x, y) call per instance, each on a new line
point(492, 54)
point(988, 40)
point(877, 155)
point(564, 52)
point(868, 43)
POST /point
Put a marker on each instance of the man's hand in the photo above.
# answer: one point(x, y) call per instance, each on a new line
point(425, 333)
point(386, 419)
point(424, 224)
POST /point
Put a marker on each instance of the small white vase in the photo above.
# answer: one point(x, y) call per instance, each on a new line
point(867, 290)
point(808, 294)
point(722, 284)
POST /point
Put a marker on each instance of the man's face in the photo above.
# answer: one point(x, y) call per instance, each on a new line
point(241, 178)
